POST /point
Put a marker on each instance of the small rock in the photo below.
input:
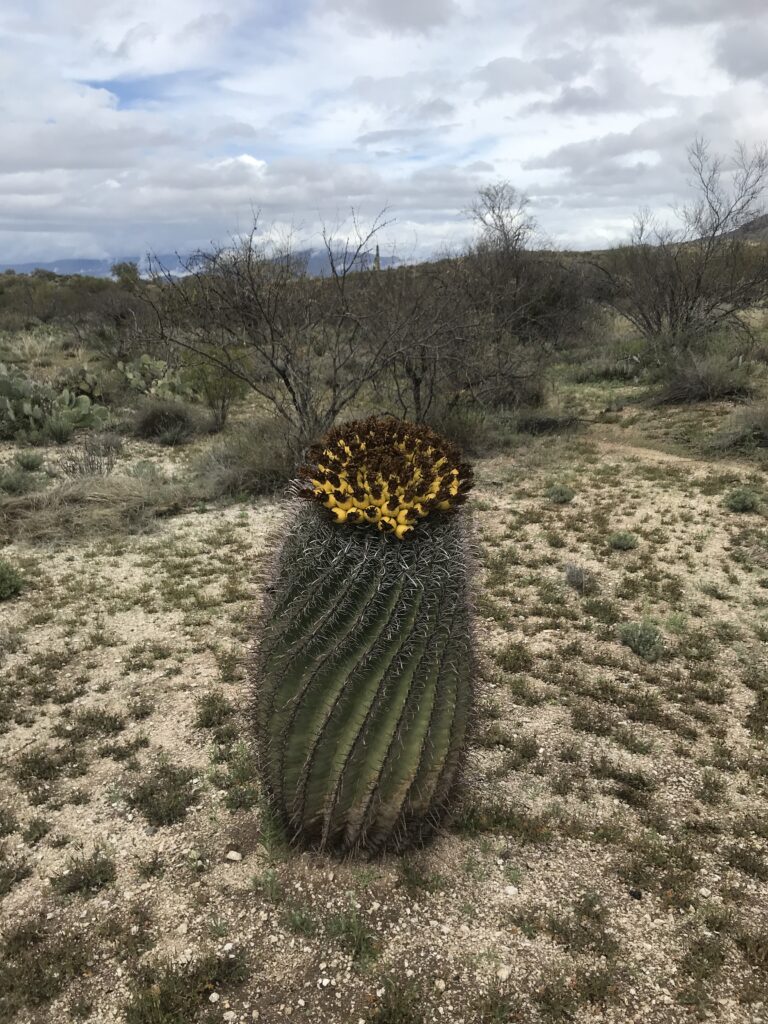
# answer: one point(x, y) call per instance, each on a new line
point(213, 997)
point(503, 973)
point(229, 1016)
point(440, 985)
point(234, 855)
point(705, 893)
point(511, 890)
point(636, 894)
point(182, 929)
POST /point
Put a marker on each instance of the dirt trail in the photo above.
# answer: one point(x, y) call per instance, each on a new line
point(629, 451)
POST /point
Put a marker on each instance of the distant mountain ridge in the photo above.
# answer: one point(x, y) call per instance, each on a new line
point(755, 230)
point(318, 264)
point(88, 267)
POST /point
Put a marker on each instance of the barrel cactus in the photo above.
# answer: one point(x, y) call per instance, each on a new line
point(362, 669)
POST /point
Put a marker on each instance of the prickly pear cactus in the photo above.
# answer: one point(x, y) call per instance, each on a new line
point(362, 671)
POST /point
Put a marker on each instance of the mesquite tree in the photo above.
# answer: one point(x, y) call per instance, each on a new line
point(676, 284)
point(303, 343)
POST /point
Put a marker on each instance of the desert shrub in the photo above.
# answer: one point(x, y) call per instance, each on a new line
point(623, 540)
point(644, 638)
point(30, 462)
point(561, 494)
point(10, 581)
point(745, 429)
point(741, 499)
point(707, 378)
point(216, 389)
point(166, 421)
point(58, 429)
point(16, 481)
point(253, 459)
point(582, 580)
point(607, 368)
point(89, 461)
point(541, 421)
point(475, 429)
point(104, 442)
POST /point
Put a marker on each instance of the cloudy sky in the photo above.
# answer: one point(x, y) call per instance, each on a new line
point(129, 125)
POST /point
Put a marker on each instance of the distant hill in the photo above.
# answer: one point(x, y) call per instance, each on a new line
point(318, 264)
point(87, 268)
point(756, 230)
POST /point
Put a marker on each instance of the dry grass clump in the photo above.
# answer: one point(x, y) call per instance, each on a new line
point(746, 429)
point(710, 378)
point(88, 506)
point(253, 459)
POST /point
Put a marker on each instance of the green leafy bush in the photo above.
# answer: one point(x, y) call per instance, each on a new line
point(644, 638)
point(623, 540)
point(16, 481)
point(742, 499)
point(561, 494)
point(10, 581)
point(30, 462)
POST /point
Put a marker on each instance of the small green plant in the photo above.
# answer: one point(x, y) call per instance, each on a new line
point(11, 582)
point(401, 1003)
point(166, 993)
point(644, 638)
point(623, 540)
point(514, 657)
point(353, 933)
point(8, 822)
point(165, 795)
point(213, 710)
point(561, 494)
point(30, 462)
point(85, 875)
point(584, 581)
point(741, 499)
point(38, 959)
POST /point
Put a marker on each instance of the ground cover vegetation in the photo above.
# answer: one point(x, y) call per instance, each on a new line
point(606, 855)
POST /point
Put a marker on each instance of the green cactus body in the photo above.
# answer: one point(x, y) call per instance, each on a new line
point(363, 680)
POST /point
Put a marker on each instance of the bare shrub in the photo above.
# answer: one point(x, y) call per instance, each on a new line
point(251, 459)
point(674, 283)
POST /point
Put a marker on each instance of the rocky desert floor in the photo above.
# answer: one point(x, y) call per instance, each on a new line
point(607, 854)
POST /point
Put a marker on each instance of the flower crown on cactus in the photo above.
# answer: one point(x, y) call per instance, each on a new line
point(386, 473)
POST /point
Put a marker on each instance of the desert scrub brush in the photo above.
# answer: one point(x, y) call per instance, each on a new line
point(362, 669)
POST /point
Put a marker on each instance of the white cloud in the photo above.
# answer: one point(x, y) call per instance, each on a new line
point(134, 125)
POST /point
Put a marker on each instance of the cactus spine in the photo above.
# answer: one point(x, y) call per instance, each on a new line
point(362, 671)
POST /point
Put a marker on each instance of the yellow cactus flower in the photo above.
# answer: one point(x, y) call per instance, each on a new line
point(385, 473)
